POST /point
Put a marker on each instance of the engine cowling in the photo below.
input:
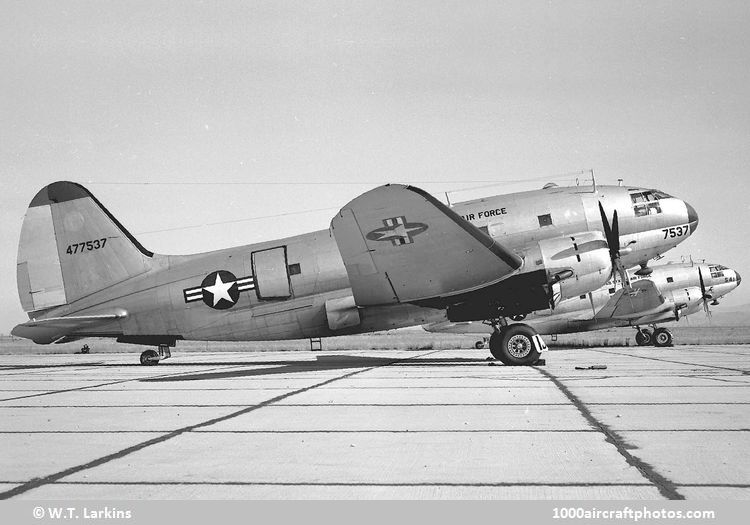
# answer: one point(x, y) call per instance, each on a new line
point(685, 298)
point(574, 264)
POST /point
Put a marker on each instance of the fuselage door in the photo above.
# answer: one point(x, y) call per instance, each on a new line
point(271, 273)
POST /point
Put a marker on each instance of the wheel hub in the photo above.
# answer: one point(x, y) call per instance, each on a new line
point(519, 346)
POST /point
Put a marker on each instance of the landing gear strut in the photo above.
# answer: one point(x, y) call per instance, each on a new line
point(516, 344)
point(152, 357)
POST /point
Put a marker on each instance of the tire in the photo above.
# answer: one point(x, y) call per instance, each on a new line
point(663, 337)
point(644, 337)
point(514, 345)
point(150, 358)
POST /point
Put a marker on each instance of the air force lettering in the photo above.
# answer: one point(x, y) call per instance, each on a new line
point(397, 230)
point(219, 290)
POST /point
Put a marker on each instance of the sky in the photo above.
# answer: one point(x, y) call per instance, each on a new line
point(203, 125)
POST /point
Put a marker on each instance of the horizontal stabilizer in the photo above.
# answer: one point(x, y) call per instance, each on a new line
point(400, 244)
point(53, 329)
point(644, 298)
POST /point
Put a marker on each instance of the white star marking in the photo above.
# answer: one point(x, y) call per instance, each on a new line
point(220, 290)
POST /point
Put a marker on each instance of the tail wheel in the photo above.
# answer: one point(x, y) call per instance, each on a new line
point(514, 345)
point(663, 337)
point(643, 337)
point(479, 345)
point(150, 358)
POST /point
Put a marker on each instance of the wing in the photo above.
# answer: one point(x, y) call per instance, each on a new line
point(644, 299)
point(54, 329)
point(400, 244)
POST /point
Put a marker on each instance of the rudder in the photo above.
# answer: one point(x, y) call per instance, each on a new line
point(72, 246)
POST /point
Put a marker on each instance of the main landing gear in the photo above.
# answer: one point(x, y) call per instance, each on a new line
point(152, 357)
point(660, 337)
point(516, 344)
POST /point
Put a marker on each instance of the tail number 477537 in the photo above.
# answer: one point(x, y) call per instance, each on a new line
point(86, 246)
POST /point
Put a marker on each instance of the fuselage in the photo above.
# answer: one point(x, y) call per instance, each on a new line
point(297, 287)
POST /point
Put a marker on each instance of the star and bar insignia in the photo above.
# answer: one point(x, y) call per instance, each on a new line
point(219, 290)
point(397, 230)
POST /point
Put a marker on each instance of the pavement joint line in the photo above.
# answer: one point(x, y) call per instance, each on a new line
point(320, 431)
point(81, 388)
point(53, 478)
point(743, 371)
point(251, 389)
point(385, 431)
point(359, 483)
point(389, 405)
point(665, 486)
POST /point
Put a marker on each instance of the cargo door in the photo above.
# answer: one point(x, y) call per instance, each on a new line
point(271, 273)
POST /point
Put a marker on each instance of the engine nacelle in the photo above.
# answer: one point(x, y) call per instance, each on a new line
point(554, 270)
point(685, 298)
point(575, 264)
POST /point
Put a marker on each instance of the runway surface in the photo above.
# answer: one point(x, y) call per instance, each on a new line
point(656, 424)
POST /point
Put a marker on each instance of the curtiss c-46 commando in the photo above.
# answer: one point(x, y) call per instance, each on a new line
point(395, 256)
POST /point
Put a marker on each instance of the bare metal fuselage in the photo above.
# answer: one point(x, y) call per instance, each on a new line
point(315, 301)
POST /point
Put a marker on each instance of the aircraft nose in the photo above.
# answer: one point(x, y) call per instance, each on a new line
point(739, 277)
point(692, 218)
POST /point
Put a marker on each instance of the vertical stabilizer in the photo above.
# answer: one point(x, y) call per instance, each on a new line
point(71, 247)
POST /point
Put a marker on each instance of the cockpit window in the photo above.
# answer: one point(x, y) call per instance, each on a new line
point(717, 270)
point(647, 202)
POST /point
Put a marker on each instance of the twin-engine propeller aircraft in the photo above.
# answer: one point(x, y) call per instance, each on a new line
point(394, 256)
point(672, 291)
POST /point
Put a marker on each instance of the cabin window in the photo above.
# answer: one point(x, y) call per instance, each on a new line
point(670, 279)
point(545, 220)
point(294, 269)
point(611, 290)
point(583, 296)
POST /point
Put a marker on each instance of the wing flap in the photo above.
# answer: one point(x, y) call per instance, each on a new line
point(400, 244)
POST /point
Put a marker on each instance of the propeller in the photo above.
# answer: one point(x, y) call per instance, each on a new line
point(612, 234)
point(705, 296)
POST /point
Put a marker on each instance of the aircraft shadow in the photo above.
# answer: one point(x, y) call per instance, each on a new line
point(322, 363)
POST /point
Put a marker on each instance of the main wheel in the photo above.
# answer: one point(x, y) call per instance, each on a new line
point(643, 337)
point(662, 337)
point(514, 345)
point(150, 358)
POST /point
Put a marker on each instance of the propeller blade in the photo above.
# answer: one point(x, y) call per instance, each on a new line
point(616, 232)
point(605, 225)
point(704, 295)
point(612, 234)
